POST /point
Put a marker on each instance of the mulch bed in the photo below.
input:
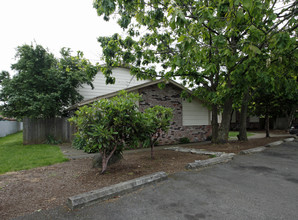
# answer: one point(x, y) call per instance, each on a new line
point(28, 191)
point(45, 187)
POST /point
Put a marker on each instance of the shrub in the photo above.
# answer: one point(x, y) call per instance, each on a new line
point(209, 138)
point(108, 125)
point(156, 120)
point(184, 140)
point(52, 141)
point(80, 144)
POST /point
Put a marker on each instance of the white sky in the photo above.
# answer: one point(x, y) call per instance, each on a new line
point(53, 24)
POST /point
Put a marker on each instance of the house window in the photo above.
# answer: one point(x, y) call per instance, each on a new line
point(194, 113)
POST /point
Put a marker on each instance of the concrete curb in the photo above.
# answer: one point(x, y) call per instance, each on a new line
point(260, 149)
point(289, 139)
point(276, 143)
point(108, 192)
point(194, 151)
point(205, 163)
point(221, 157)
point(253, 150)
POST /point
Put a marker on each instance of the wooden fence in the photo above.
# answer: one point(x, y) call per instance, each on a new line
point(36, 131)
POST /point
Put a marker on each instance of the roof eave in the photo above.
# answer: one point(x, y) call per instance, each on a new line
point(131, 89)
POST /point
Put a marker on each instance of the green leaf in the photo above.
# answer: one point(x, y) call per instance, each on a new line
point(247, 4)
point(181, 38)
point(255, 49)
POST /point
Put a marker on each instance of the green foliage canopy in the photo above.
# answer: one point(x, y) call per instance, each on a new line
point(214, 45)
point(156, 120)
point(109, 125)
point(43, 86)
point(276, 94)
point(204, 42)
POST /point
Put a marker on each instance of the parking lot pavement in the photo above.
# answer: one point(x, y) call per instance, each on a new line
point(258, 186)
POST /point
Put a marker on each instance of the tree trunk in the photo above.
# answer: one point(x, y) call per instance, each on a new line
point(152, 151)
point(223, 131)
point(152, 143)
point(243, 118)
point(267, 125)
point(232, 113)
point(104, 163)
point(105, 159)
point(290, 117)
point(214, 123)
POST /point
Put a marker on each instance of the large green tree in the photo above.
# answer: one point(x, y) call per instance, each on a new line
point(276, 94)
point(212, 45)
point(43, 85)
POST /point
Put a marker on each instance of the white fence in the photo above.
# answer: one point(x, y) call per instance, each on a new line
point(10, 127)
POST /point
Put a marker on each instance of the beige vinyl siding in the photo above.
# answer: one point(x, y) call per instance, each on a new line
point(194, 113)
point(123, 80)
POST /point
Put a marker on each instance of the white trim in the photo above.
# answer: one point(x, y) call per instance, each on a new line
point(131, 89)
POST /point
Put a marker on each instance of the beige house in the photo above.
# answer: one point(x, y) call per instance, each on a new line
point(191, 120)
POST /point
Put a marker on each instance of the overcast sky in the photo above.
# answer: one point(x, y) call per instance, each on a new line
point(53, 24)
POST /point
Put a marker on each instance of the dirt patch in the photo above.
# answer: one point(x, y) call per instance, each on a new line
point(28, 191)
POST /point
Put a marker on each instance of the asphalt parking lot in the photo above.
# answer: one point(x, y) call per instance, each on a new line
point(256, 186)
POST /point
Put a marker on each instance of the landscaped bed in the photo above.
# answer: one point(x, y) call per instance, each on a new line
point(46, 187)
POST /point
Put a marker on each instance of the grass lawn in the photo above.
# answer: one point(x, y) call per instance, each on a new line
point(16, 156)
point(235, 133)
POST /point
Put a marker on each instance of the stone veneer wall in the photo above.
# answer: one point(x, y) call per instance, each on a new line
point(170, 97)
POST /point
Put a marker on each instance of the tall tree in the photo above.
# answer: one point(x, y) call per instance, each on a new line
point(43, 86)
point(209, 44)
point(276, 95)
point(4, 75)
